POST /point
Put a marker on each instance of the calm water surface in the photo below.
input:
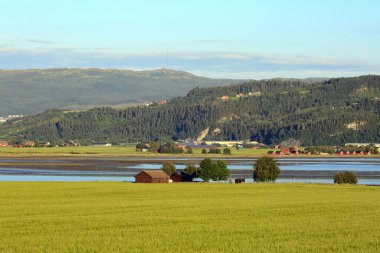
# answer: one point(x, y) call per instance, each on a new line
point(312, 170)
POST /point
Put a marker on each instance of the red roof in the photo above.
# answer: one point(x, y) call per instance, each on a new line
point(154, 173)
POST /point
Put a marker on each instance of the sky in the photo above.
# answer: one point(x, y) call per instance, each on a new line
point(250, 39)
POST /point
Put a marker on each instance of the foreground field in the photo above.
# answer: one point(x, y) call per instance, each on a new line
point(124, 217)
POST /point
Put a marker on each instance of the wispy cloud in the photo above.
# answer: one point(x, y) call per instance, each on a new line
point(38, 41)
point(4, 50)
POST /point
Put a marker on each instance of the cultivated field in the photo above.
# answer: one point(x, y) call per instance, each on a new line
point(125, 217)
point(130, 150)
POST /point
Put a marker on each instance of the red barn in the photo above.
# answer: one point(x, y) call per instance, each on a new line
point(239, 180)
point(152, 176)
point(3, 144)
point(177, 178)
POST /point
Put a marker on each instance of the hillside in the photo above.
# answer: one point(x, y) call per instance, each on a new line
point(32, 91)
point(330, 112)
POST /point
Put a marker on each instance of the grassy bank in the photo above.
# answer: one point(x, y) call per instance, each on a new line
point(89, 151)
point(122, 217)
point(127, 151)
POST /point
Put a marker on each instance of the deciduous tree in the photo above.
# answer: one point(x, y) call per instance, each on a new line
point(265, 169)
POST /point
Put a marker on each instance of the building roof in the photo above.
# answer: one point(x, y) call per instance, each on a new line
point(154, 173)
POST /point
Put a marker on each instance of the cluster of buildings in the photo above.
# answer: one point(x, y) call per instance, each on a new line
point(358, 152)
point(344, 151)
point(29, 144)
point(67, 143)
point(159, 176)
point(32, 144)
point(239, 95)
point(375, 145)
point(214, 144)
point(288, 151)
point(13, 116)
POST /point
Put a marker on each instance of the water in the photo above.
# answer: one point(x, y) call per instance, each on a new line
point(310, 170)
point(311, 166)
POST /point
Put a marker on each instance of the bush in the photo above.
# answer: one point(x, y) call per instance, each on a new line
point(204, 151)
point(345, 177)
point(189, 173)
point(215, 151)
point(189, 150)
point(265, 169)
point(226, 151)
point(170, 148)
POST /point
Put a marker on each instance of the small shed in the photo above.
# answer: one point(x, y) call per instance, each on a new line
point(152, 176)
point(28, 144)
point(239, 180)
point(177, 178)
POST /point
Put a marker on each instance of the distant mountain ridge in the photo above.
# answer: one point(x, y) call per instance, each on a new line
point(35, 90)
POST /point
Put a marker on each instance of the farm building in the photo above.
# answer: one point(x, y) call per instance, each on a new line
point(177, 178)
point(152, 176)
point(102, 144)
point(28, 144)
point(239, 180)
point(3, 144)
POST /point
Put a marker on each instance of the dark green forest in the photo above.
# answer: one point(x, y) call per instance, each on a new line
point(329, 112)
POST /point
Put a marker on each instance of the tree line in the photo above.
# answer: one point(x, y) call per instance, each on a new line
point(265, 169)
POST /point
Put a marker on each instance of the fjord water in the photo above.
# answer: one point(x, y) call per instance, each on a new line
point(312, 170)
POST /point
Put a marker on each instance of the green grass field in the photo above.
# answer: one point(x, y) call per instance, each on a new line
point(125, 217)
point(130, 150)
point(111, 151)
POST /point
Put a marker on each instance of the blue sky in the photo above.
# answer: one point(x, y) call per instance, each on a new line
point(236, 39)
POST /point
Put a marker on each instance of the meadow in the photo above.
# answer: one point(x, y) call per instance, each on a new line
point(118, 151)
point(126, 217)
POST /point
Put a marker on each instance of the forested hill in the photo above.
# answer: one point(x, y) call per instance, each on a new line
point(330, 112)
point(35, 90)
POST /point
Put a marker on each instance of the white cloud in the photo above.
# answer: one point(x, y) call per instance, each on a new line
point(214, 64)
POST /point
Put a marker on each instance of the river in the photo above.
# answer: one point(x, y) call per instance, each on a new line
point(293, 169)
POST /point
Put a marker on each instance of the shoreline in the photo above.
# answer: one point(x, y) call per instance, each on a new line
point(125, 166)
